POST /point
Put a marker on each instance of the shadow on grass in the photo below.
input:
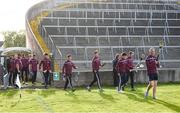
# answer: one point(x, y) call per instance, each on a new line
point(46, 93)
point(107, 97)
point(29, 91)
point(168, 105)
point(137, 95)
point(15, 103)
point(9, 93)
point(71, 94)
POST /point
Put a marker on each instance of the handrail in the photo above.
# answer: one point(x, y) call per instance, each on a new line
point(80, 18)
point(55, 36)
point(55, 46)
point(110, 69)
point(159, 2)
point(121, 3)
point(112, 10)
point(127, 6)
point(72, 47)
point(85, 26)
point(33, 34)
point(110, 61)
point(30, 15)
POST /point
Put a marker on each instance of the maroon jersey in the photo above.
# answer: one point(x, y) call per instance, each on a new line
point(46, 63)
point(96, 63)
point(67, 67)
point(19, 63)
point(33, 62)
point(151, 64)
point(12, 65)
point(25, 62)
point(122, 66)
point(130, 64)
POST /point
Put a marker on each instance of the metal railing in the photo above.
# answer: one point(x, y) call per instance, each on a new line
point(32, 41)
point(142, 2)
point(80, 18)
point(31, 14)
point(112, 10)
point(50, 5)
point(114, 36)
point(110, 26)
point(137, 49)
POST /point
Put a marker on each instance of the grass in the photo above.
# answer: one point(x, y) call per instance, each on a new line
point(57, 100)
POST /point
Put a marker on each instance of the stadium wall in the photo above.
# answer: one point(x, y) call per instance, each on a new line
point(84, 78)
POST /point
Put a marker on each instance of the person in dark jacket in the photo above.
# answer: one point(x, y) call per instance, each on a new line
point(11, 67)
point(33, 65)
point(45, 67)
point(152, 64)
point(8, 64)
point(130, 73)
point(115, 73)
point(17, 68)
point(25, 65)
point(122, 71)
point(67, 72)
point(96, 65)
point(2, 73)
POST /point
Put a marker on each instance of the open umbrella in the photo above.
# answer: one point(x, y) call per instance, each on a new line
point(16, 50)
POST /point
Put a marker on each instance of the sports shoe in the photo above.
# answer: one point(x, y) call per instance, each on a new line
point(101, 90)
point(88, 88)
point(73, 90)
point(117, 88)
point(65, 89)
point(46, 87)
point(34, 83)
point(123, 88)
point(120, 91)
point(155, 98)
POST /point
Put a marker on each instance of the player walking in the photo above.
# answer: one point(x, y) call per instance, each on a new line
point(152, 64)
point(67, 72)
point(96, 65)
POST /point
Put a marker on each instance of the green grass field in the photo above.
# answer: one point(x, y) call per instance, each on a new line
point(57, 100)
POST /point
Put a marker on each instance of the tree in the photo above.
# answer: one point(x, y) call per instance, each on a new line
point(14, 39)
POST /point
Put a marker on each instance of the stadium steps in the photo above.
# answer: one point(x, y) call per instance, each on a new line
point(86, 24)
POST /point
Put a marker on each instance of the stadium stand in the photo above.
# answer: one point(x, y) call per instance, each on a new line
point(79, 27)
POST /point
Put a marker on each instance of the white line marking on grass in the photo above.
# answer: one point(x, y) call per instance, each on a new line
point(44, 104)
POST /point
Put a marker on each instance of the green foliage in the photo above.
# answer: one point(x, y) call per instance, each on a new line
point(14, 39)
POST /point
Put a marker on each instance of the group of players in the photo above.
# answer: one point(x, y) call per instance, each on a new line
point(123, 69)
point(27, 65)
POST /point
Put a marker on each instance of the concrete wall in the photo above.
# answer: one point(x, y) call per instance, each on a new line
point(84, 78)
